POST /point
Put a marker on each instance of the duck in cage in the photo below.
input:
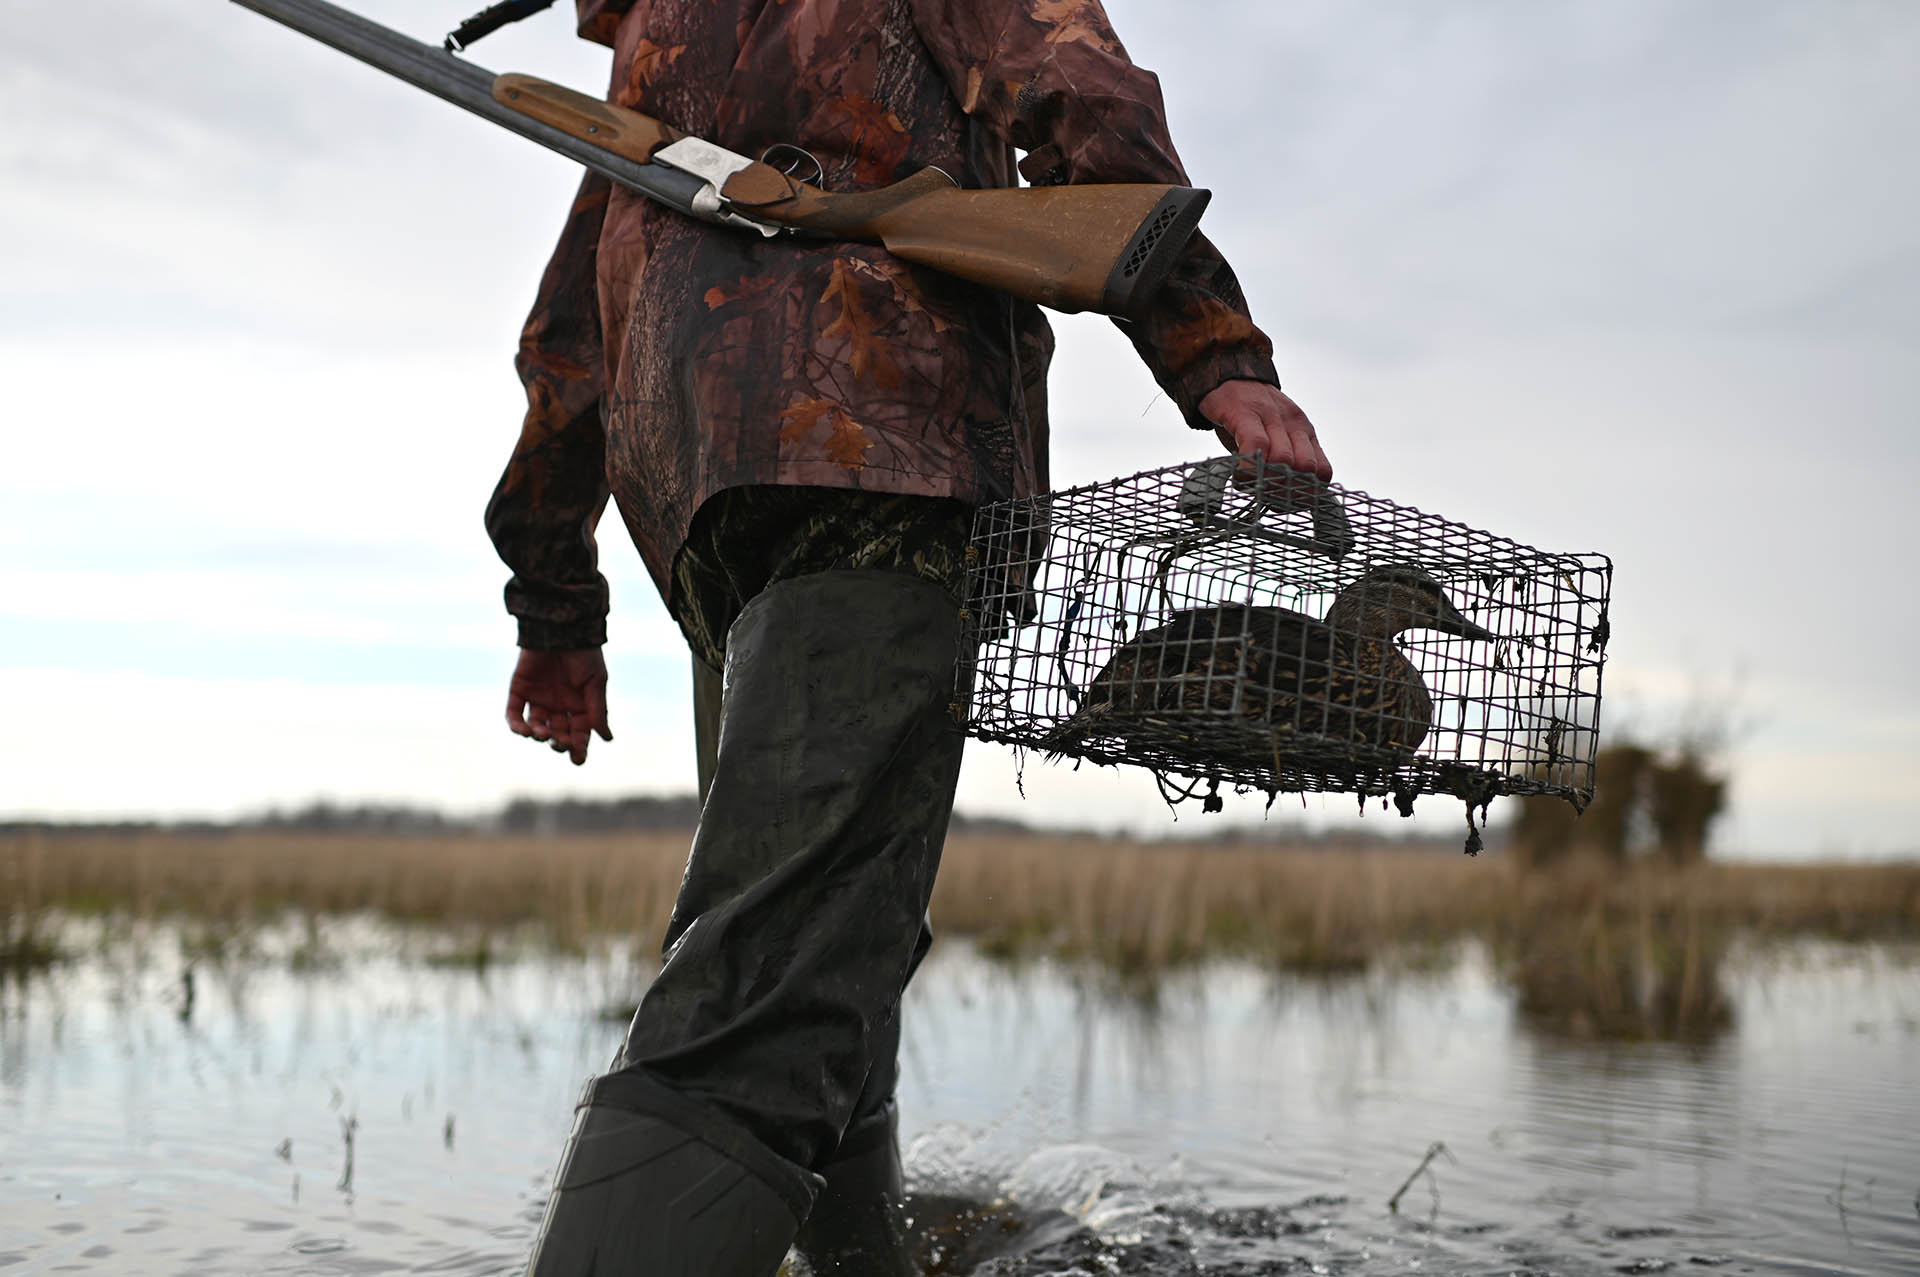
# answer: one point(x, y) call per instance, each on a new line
point(1259, 628)
point(1341, 678)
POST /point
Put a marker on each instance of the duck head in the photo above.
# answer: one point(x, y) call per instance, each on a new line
point(1390, 600)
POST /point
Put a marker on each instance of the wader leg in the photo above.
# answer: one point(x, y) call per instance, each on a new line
point(799, 921)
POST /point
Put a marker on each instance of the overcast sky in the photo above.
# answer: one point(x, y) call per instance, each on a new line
point(1641, 278)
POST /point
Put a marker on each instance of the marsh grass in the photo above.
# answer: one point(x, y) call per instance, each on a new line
point(572, 889)
point(1144, 906)
point(1590, 947)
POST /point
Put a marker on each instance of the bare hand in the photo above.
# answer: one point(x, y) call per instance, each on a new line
point(1251, 416)
point(559, 698)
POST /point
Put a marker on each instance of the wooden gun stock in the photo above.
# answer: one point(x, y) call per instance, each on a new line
point(1073, 248)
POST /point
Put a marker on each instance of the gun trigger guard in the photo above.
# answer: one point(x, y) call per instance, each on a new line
point(792, 160)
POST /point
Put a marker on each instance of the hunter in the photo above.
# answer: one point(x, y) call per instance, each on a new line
point(795, 435)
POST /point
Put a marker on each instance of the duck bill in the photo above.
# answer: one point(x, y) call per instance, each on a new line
point(1455, 623)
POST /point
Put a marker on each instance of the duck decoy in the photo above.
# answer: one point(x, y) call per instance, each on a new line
point(1342, 678)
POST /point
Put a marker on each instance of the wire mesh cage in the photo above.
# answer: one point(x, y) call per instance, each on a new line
point(1250, 626)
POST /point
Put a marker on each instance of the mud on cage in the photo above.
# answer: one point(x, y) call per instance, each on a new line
point(1251, 627)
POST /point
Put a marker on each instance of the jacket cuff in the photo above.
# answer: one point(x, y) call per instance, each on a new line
point(1206, 374)
point(559, 619)
point(562, 636)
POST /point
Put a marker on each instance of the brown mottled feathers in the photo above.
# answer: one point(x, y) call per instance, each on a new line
point(1343, 679)
point(1279, 667)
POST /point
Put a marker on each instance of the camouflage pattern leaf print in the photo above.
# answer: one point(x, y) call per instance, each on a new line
point(666, 360)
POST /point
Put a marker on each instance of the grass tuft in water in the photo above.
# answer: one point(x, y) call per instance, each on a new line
point(27, 945)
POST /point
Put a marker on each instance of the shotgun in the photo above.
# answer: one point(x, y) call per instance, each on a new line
point(1073, 248)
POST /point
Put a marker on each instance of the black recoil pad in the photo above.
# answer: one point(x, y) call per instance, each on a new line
point(1151, 253)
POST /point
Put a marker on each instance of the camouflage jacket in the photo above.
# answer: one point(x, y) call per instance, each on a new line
point(666, 360)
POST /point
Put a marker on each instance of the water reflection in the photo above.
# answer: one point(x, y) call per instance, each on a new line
point(1637, 977)
point(329, 1100)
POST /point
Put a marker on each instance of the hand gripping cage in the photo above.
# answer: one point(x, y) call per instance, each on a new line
point(1250, 626)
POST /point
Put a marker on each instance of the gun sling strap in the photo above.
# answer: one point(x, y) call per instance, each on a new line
point(491, 19)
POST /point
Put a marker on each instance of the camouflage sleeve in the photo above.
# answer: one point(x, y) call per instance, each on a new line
point(1051, 78)
point(543, 512)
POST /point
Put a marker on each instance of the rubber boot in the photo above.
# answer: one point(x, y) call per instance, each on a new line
point(636, 1193)
point(858, 1225)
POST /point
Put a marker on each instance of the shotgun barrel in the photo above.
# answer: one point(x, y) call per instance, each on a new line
point(465, 85)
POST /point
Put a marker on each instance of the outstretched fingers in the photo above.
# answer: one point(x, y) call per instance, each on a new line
point(597, 710)
point(589, 715)
point(571, 734)
point(569, 738)
point(517, 712)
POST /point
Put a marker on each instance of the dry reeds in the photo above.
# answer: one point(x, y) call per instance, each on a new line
point(1145, 905)
point(1591, 947)
point(573, 887)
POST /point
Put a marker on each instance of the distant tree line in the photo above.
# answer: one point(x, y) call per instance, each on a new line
point(518, 816)
point(645, 813)
point(598, 815)
point(634, 813)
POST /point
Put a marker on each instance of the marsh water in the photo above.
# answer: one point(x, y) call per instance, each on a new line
point(352, 1099)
